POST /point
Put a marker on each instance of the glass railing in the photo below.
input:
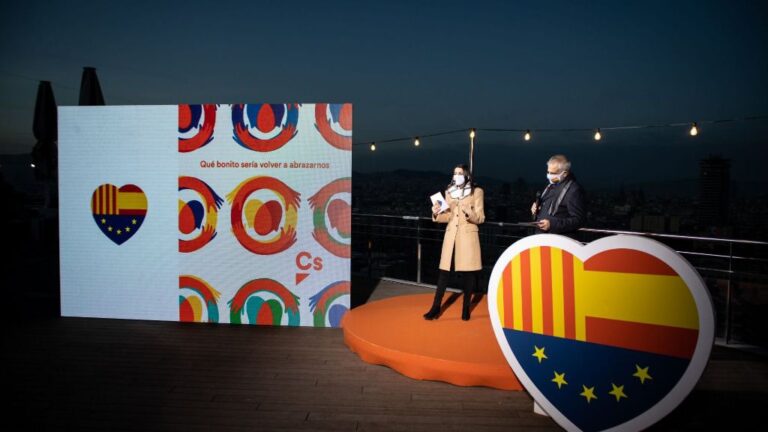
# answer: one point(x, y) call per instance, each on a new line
point(407, 248)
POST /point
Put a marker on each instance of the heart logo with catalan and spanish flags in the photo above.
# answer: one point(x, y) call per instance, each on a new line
point(119, 212)
point(609, 335)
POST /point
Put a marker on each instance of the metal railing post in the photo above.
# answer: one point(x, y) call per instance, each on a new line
point(418, 251)
point(370, 258)
point(728, 295)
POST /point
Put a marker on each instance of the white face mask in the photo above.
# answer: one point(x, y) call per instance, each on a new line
point(554, 178)
point(458, 179)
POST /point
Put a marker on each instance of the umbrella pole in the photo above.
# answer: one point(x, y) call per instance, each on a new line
point(471, 154)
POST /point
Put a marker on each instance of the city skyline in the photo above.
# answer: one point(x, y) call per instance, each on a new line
point(412, 69)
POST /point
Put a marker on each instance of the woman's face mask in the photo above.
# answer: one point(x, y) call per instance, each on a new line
point(458, 179)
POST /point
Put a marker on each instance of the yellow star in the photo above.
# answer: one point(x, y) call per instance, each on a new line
point(133, 221)
point(127, 229)
point(539, 354)
point(642, 374)
point(103, 221)
point(559, 379)
point(119, 232)
point(617, 391)
point(588, 393)
point(109, 229)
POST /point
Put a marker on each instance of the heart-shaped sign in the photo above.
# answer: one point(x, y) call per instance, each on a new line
point(609, 335)
point(118, 212)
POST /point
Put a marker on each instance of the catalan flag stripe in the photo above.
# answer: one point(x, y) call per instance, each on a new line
point(509, 306)
point(113, 199)
point(546, 290)
point(517, 295)
point(569, 308)
point(558, 321)
point(500, 301)
point(536, 313)
point(532, 296)
point(525, 268)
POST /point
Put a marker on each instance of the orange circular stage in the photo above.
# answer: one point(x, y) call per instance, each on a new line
point(392, 332)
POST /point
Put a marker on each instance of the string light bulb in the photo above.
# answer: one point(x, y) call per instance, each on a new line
point(598, 135)
point(373, 146)
point(527, 135)
point(694, 130)
point(416, 142)
point(472, 133)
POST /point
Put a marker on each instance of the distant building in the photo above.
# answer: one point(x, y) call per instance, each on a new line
point(655, 223)
point(622, 210)
point(714, 191)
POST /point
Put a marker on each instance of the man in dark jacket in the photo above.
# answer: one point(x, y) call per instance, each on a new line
point(561, 208)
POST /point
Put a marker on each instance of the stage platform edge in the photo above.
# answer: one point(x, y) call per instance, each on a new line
point(392, 332)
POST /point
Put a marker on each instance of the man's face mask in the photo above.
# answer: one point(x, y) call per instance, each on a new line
point(555, 178)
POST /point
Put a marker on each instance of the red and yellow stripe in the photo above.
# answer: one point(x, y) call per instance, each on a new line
point(104, 200)
point(107, 199)
point(620, 297)
point(131, 202)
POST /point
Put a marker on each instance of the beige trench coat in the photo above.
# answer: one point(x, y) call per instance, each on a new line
point(461, 234)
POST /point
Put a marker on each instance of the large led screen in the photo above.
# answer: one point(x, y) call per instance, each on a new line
point(207, 213)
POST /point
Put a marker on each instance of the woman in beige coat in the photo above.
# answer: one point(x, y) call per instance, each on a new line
point(461, 244)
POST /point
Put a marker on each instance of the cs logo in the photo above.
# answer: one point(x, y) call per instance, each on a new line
point(305, 262)
point(264, 215)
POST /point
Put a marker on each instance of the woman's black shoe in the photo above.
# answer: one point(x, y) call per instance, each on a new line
point(432, 314)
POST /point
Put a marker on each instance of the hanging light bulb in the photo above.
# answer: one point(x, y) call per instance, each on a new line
point(416, 142)
point(373, 146)
point(694, 130)
point(472, 133)
point(527, 135)
point(598, 135)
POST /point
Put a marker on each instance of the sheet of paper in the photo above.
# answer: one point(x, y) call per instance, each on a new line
point(437, 198)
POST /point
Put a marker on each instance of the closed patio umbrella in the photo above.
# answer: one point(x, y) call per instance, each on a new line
point(45, 129)
point(90, 90)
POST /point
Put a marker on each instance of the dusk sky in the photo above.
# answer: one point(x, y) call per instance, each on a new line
point(413, 68)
